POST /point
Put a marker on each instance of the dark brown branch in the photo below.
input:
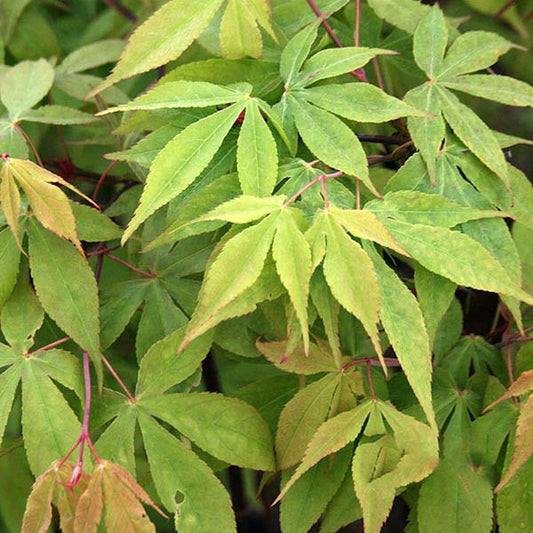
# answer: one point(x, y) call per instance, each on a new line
point(121, 9)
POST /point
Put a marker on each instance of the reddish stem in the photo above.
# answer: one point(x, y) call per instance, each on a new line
point(377, 70)
point(84, 435)
point(130, 266)
point(357, 21)
point(102, 178)
point(324, 192)
point(118, 379)
point(29, 141)
point(310, 184)
point(49, 346)
point(370, 382)
point(360, 72)
point(358, 193)
point(504, 8)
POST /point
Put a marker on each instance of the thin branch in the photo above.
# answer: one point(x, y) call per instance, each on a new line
point(102, 178)
point(504, 8)
point(360, 72)
point(49, 346)
point(130, 266)
point(29, 141)
point(118, 379)
point(121, 9)
point(383, 139)
point(357, 21)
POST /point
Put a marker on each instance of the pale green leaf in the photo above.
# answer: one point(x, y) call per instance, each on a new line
point(512, 517)
point(9, 264)
point(94, 226)
point(118, 305)
point(336, 61)
point(63, 367)
point(22, 315)
point(331, 436)
point(267, 287)
point(24, 85)
point(12, 141)
point(455, 256)
point(160, 317)
point(364, 224)
point(343, 509)
point(162, 366)
point(331, 141)
point(240, 35)
point(474, 133)
point(328, 310)
point(435, 294)
point(501, 89)
point(179, 474)
point(301, 417)
point(66, 288)
point(292, 256)
point(184, 94)
point(404, 324)
point(296, 51)
point(224, 427)
point(49, 424)
point(244, 209)
point(352, 279)
point(471, 51)
point(9, 380)
point(181, 162)
point(146, 150)
point(430, 39)
point(429, 209)
point(235, 269)
point(426, 132)
point(316, 237)
point(382, 466)
point(405, 14)
point(162, 38)
point(523, 444)
point(10, 201)
point(116, 443)
point(38, 514)
point(305, 502)
point(456, 497)
point(361, 102)
point(91, 56)
point(257, 155)
point(57, 114)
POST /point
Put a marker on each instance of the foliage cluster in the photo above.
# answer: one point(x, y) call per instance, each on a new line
point(238, 269)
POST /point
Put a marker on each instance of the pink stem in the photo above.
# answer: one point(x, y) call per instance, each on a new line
point(360, 72)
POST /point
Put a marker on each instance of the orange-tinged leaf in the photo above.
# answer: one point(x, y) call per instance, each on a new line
point(297, 361)
point(124, 512)
point(38, 514)
point(51, 207)
point(90, 505)
point(522, 385)
point(66, 499)
point(523, 445)
point(33, 171)
point(127, 479)
point(10, 200)
point(330, 437)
